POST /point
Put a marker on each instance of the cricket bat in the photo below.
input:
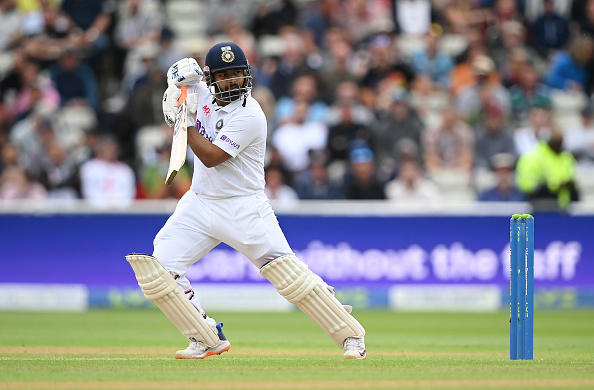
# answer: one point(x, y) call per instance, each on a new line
point(179, 145)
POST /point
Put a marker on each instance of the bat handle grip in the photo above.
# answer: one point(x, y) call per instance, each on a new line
point(183, 95)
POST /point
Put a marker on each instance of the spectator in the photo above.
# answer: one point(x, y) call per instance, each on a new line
point(530, 91)
point(385, 63)
point(580, 140)
point(505, 190)
point(551, 29)
point(349, 121)
point(11, 20)
point(59, 173)
point(290, 65)
point(338, 67)
point(144, 106)
point(16, 184)
point(449, 146)
point(538, 128)
point(464, 75)
point(305, 87)
point(401, 122)
point(361, 183)
point(153, 172)
point(295, 139)
point(547, 172)
point(75, 81)
point(512, 51)
point(277, 191)
point(269, 18)
point(9, 155)
point(410, 186)
point(220, 14)
point(364, 18)
point(105, 181)
point(36, 88)
point(430, 60)
point(89, 21)
point(414, 17)
point(315, 183)
point(32, 134)
point(568, 68)
point(473, 100)
point(135, 28)
point(492, 138)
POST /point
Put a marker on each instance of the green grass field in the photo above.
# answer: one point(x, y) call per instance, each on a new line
point(115, 349)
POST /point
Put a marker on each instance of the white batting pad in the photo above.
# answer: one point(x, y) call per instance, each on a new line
point(158, 285)
point(300, 286)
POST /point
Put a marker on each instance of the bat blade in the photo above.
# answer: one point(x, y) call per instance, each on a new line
point(179, 145)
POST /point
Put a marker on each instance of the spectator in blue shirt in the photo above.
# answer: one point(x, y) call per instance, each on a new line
point(75, 81)
point(568, 69)
point(433, 62)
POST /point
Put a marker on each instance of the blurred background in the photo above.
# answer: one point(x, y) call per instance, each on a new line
point(402, 136)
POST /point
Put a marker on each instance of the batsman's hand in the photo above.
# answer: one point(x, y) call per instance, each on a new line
point(170, 97)
point(184, 73)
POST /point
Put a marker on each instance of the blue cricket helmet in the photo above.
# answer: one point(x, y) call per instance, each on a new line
point(226, 56)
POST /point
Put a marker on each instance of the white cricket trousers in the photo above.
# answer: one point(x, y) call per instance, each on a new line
point(246, 223)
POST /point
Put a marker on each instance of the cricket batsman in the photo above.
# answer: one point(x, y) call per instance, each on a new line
point(226, 203)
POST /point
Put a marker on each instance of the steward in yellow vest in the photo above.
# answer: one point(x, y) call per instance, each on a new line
point(547, 171)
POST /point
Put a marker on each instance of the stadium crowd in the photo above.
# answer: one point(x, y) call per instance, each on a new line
point(404, 100)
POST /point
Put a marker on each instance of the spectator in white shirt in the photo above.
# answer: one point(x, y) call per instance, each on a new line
point(107, 182)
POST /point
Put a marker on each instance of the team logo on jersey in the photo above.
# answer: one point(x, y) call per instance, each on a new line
point(227, 55)
point(219, 125)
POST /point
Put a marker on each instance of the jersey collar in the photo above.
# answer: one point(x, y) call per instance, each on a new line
point(231, 106)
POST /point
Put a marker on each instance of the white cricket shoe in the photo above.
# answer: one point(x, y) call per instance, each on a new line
point(354, 348)
point(199, 350)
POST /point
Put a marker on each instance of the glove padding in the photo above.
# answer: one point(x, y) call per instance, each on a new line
point(184, 73)
point(172, 93)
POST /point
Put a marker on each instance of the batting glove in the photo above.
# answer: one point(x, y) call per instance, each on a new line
point(184, 73)
point(170, 97)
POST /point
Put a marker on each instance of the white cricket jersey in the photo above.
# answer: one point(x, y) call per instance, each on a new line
point(239, 131)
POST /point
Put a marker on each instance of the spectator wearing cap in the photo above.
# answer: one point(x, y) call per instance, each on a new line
point(471, 102)
point(492, 138)
point(467, 70)
point(361, 182)
point(504, 190)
